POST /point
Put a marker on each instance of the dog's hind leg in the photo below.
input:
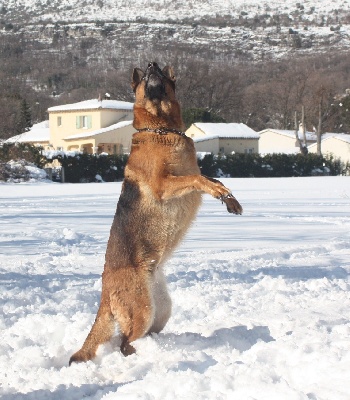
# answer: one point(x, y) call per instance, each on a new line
point(162, 301)
point(101, 332)
point(132, 306)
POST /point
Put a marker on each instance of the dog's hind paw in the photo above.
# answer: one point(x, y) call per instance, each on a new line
point(127, 349)
point(81, 356)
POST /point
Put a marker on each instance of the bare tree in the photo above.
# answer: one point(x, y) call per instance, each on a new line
point(321, 107)
point(303, 127)
point(302, 145)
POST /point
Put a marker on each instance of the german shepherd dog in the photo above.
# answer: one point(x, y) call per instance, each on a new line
point(160, 197)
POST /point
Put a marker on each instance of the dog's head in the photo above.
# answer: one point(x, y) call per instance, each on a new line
point(155, 101)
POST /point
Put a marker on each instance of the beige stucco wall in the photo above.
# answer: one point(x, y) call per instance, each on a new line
point(208, 146)
point(100, 118)
point(68, 125)
point(337, 147)
point(121, 137)
point(44, 145)
point(194, 132)
point(110, 117)
point(275, 142)
point(227, 146)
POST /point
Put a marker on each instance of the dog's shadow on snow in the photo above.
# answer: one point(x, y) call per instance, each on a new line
point(240, 338)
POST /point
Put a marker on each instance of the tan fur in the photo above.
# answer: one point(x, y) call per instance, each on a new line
point(160, 197)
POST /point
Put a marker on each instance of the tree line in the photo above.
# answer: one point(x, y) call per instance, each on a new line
point(262, 95)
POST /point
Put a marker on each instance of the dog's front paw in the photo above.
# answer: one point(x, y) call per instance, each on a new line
point(232, 204)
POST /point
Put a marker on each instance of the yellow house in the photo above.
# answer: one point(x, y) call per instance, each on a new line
point(92, 126)
point(336, 144)
point(282, 141)
point(222, 138)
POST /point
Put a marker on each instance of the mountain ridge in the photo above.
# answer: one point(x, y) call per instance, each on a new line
point(163, 10)
point(229, 56)
point(228, 30)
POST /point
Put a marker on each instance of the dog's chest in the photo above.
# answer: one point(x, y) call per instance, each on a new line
point(163, 154)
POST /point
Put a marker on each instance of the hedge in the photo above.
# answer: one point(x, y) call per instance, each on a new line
point(85, 167)
point(271, 165)
point(92, 168)
point(79, 167)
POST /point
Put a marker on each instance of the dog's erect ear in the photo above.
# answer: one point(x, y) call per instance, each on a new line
point(137, 76)
point(169, 73)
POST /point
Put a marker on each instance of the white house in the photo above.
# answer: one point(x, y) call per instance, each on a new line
point(222, 138)
point(282, 141)
point(337, 144)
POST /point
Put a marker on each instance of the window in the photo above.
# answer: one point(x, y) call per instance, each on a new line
point(59, 121)
point(84, 121)
point(249, 151)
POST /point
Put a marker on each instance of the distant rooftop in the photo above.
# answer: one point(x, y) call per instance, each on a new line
point(310, 136)
point(341, 136)
point(223, 130)
point(94, 104)
point(38, 133)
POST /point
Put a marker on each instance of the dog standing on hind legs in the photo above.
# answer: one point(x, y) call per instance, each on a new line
point(160, 197)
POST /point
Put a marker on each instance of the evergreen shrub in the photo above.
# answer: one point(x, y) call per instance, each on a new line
point(87, 167)
point(271, 165)
point(22, 151)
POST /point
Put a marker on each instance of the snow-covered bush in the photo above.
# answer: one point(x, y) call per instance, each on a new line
point(22, 151)
point(20, 171)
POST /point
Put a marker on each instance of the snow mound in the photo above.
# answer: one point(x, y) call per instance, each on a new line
point(21, 171)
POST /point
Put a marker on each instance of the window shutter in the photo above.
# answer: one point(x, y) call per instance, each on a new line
point(89, 122)
point(77, 119)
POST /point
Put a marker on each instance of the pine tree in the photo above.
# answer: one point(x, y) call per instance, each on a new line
point(24, 121)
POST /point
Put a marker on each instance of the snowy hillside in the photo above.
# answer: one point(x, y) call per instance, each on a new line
point(212, 30)
point(261, 303)
point(163, 10)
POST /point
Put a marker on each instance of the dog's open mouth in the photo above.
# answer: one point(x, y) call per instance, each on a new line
point(155, 88)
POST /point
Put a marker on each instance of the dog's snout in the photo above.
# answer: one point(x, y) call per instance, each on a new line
point(153, 64)
point(153, 68)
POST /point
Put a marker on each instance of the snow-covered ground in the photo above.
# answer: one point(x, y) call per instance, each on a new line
point(261, 302)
